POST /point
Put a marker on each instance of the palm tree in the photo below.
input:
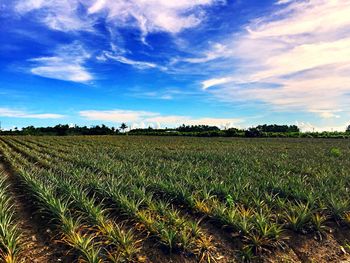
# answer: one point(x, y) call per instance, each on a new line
point(123, 126)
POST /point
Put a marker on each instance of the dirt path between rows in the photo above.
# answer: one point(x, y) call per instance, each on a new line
point(38, 244)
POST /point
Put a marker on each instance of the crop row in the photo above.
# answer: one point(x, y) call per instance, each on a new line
point(158, 218)
point(256, 193)
point(10, 237)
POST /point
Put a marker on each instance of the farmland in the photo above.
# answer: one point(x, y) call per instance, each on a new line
point(174, 199)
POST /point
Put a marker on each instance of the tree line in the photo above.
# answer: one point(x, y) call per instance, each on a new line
point(265, 130)
point(63, 130)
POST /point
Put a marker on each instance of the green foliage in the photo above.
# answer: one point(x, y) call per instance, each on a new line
point(123, 126)
point(10, 237)
point(319, 224)
point(62, 130)
point(336, 152)
point(229, 200)
point(265, 131)
point(298, 216)
point(257, 190)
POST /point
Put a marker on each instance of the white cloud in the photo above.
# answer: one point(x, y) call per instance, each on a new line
point(62, 15)
point(217, 51)
point(327, 114)
point(153, 119)
point(147, 15)
point(166, 97)
point(298, 58)
point(57, 68)
point(153, 15)
point(281, 2)
point(215, 81)
point(66, 64)
point(135, 63)
point(6, 112)
point(309, 127)
point(116, 115)
point(164, 93)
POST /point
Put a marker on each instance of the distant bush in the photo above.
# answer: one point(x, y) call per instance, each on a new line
point(197, 128)
point(336, 152)
point(278, 128)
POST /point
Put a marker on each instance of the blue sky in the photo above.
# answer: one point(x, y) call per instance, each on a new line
point(163, 63)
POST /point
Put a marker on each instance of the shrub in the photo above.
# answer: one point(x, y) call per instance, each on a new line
point(336, 152)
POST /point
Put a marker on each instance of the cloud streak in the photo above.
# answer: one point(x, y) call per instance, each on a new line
point(66, 64)
point(134, 63)
point(7, 112)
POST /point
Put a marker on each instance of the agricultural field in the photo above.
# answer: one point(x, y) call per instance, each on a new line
point(174, 199)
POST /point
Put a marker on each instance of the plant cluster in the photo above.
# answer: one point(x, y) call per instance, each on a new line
point(10, 237)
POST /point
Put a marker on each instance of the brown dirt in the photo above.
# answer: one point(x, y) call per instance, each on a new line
point(341, 233)
point(155, 254)
point(38, 244)
point(226, 244)
point(309, 249)
point(282, 256)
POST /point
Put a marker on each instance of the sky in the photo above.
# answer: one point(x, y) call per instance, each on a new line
point(162, 63)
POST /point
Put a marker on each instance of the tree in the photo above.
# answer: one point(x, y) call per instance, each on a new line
point(197, 128)
point(253, 132)
point(61, 129)
point(30, 130)
point(231, 132)
point(348, 129)
point(123, 126)
point(278, 128)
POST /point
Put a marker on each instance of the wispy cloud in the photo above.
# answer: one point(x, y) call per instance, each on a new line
point(218, 50)
point(154, 119)
point(134, 63)
point(161, 93)
point(62, 15)
point(147, 16)
point(7, 112)
point(215, 81)
point(327, 114)
point(298, 58)
point(153, 15)
point(67, 63)
point(116, 115)
point(152, 95)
